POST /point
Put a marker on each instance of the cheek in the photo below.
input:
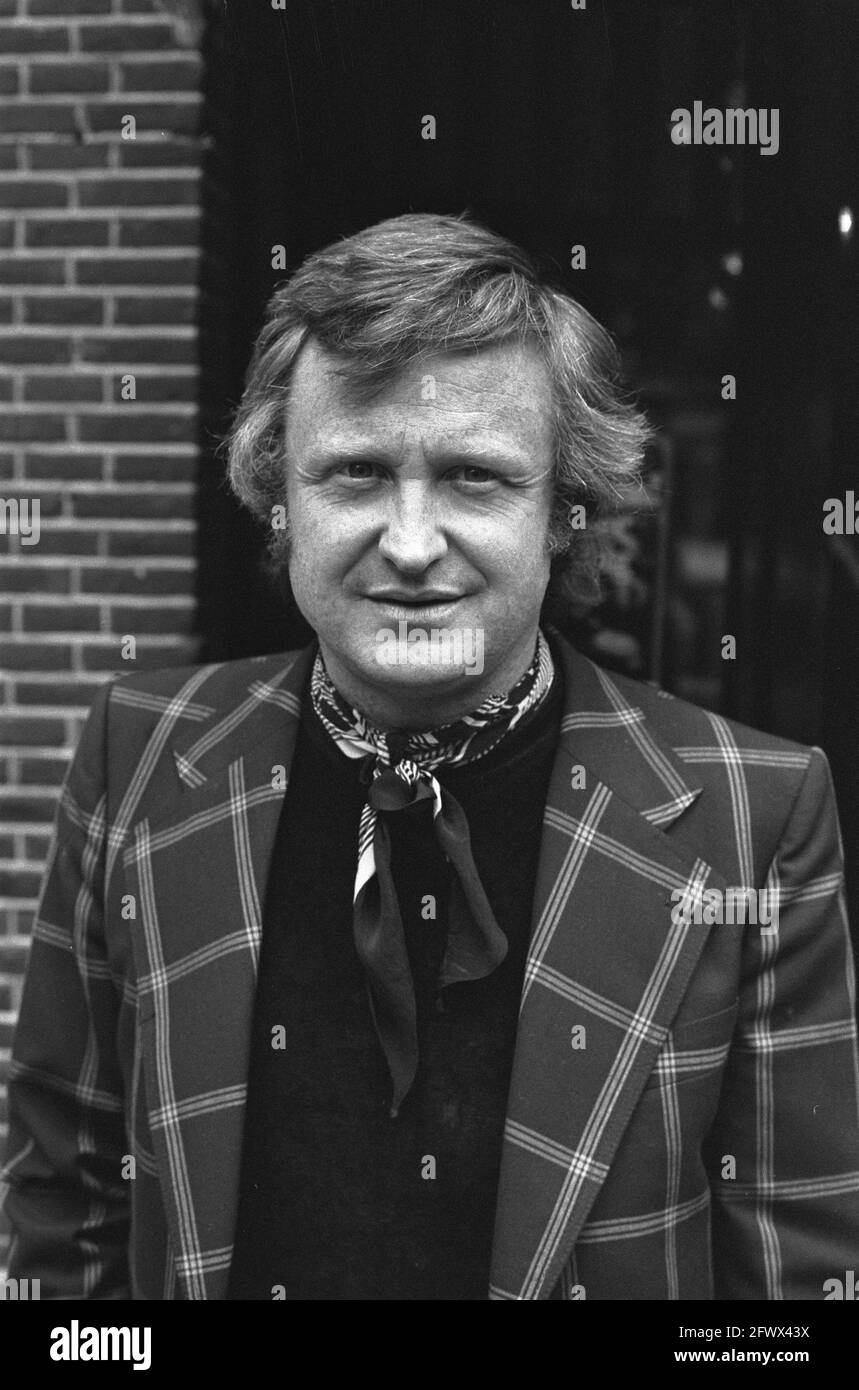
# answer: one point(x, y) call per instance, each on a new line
point(319, 534)
point(518, 550)
point(324, 548)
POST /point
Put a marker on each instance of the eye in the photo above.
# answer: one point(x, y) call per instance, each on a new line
point(472, 473)
point(359, 469)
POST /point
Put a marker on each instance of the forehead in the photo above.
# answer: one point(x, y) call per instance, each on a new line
point(501, 393)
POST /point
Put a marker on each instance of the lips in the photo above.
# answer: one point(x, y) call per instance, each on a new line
point(422, 600)
point(423, 609)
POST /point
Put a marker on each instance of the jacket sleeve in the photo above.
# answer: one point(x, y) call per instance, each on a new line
point(67, 1202)
point(783, 1154)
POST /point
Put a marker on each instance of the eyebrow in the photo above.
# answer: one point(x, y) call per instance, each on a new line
point(476, 456)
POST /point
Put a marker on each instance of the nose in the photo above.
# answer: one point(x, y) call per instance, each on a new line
point(412, 538)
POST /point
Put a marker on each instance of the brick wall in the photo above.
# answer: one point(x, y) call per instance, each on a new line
point(99, 250)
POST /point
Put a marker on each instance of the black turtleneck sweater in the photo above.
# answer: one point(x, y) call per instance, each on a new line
point(339, 1201)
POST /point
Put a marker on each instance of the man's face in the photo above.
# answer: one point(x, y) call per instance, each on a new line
point(426, 508)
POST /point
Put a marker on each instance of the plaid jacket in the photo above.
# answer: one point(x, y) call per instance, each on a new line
point(682, 1119)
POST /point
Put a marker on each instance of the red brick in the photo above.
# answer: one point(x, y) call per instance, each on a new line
point(141, 579)
point(19, 883)
point(35, 38)
point(46, 352)
point(26, 192)
point(64, 308)
point(75, 691)
point(60, 617)
point(14, 806)
point(126, 505)
point(152, 652)
point(29, 117)
point(32, 270)
point(63, 466)
point(23, 576)
point(134, 270)
point(155, 468)
point(116, 191)
point(7, 231)
point(181, 230)
point(40, 428)
point(39, 772)
point(151, 544)
point(37, 656)
point(165, 621)
point(162, 74)
point(72, 77)
point(7, 465)
point(68, 7)
point(160, 389)
point(6, 389)
point(14, 956)
point(171, 309)
point(8, 80)
point(68, 155)
point(116, 37)
point(51, 501)
point(140, 350)
point(123, 427)
point(177, 117)
point(164, 153)
point(36, 845)
point(66, 231)
point(70, 388)
point(58, 540)
point(31, 729)
point(9, 156)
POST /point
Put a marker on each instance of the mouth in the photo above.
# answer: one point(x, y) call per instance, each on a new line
point(425, 611)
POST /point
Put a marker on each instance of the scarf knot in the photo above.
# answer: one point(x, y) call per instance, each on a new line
point(396, 788)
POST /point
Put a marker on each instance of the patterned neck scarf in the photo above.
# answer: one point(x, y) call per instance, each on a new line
point(398, 773)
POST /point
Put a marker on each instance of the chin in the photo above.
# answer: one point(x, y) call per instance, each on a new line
point(413, 676)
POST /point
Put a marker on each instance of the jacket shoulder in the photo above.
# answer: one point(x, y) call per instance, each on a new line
point(751, 780)
point(175, 704)
point(686, 725)
point(213, 685)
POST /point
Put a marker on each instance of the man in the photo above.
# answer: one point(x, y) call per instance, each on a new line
point(395, 968)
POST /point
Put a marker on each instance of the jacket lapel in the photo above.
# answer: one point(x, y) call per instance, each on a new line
point(607, 971)
point(197, 940)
